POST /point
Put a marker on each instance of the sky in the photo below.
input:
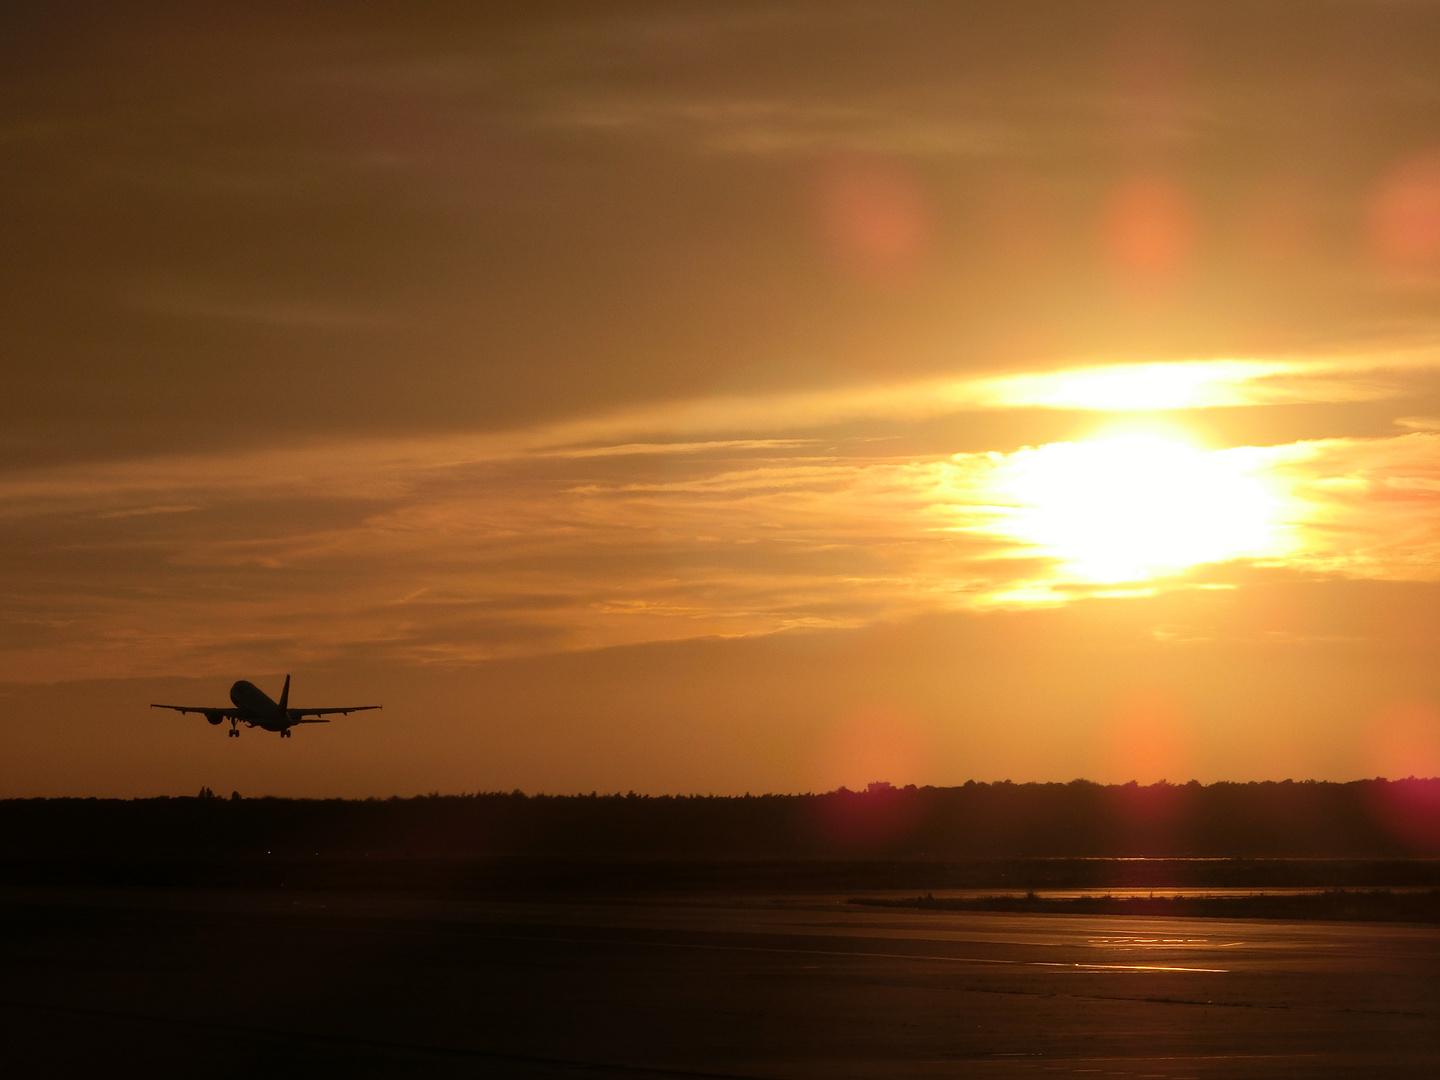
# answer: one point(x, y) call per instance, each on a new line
point(719, 397)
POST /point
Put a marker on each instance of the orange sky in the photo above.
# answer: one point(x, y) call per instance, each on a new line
point(720, 397)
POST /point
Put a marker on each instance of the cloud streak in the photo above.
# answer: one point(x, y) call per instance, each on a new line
point(380, 468)
point(578, 536)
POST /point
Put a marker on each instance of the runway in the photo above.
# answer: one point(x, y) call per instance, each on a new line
point(254, 982)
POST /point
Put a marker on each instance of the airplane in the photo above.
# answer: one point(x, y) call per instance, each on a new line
point(253, 708)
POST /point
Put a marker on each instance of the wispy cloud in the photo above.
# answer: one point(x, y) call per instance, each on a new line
point(647, 525)
point(784, 127)
point(383, 468)
point(188, 304)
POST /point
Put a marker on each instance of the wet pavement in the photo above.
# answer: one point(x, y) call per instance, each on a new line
point(250, 982)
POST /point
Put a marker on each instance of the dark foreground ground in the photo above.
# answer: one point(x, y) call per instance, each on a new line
point(143, 981)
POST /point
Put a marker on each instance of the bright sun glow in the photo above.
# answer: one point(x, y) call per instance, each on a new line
point(1130, 507)
point(1139, 387)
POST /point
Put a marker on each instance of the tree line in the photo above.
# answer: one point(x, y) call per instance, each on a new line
point(1285, 819)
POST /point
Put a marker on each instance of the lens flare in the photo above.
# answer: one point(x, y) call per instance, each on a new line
point(1149, 229)
point(1403, 220)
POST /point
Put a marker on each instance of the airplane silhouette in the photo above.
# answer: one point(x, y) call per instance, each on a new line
point(253, 708)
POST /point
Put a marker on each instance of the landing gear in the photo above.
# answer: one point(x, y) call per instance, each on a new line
point(285, 734)
point(233, 733)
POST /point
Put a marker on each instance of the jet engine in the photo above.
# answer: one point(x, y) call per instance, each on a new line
point(215, 718)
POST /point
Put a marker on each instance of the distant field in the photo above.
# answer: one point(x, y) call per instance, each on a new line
point(1001, 880)
point(1077, 846)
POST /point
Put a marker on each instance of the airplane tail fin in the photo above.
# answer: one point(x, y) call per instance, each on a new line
point(285, 696)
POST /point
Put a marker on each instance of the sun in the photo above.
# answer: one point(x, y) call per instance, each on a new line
point(1136, 506)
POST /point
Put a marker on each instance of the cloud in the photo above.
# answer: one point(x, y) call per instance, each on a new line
point(1369, 508)
point(426, 555)
point(785, 127)
point(379, 468)
point(187, 304)
point(723, 516)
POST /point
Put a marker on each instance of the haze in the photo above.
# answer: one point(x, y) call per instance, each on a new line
point(720, 398)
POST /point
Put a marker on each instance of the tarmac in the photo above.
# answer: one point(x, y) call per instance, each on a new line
point(278, 983)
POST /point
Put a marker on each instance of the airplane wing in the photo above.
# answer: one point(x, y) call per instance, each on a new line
point(298, 714)
point(212, 714)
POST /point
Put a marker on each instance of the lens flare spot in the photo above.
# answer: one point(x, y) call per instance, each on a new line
point(1403, 219)
point(1148, 228)
point(1147, 740)
point(1404, 740)
point(876, 218)
point(871, 745)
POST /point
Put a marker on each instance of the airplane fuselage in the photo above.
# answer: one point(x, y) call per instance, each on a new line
point(257, 707)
